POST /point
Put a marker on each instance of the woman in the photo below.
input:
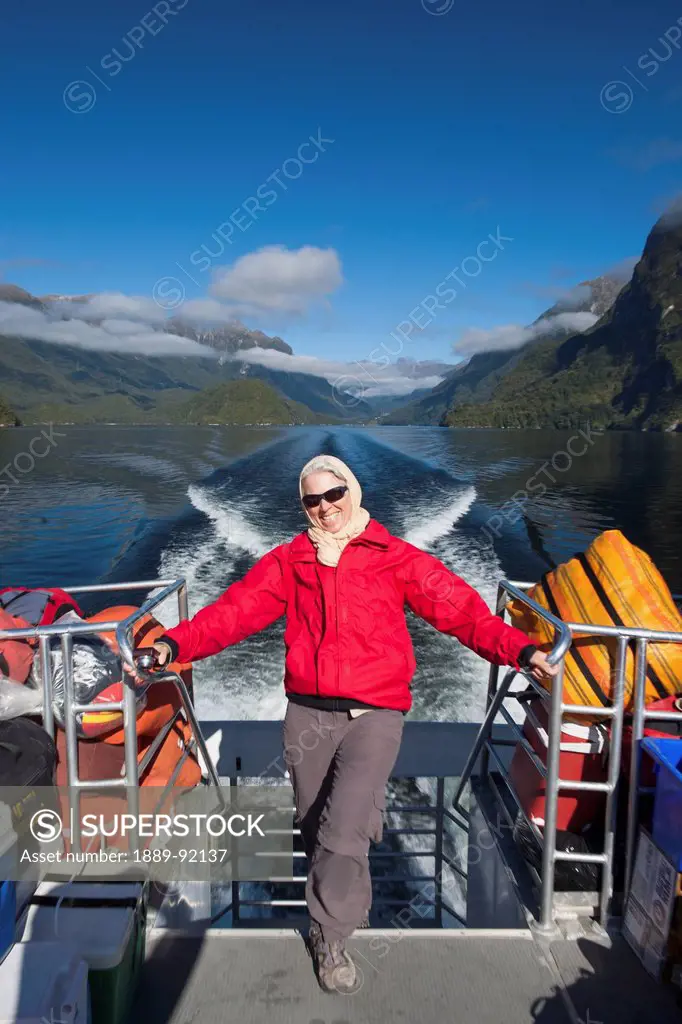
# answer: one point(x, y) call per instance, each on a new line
point(343, 586)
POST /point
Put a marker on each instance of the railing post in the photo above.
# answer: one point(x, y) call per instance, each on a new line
point(69, 720)
point(234, 862)
point(46, 676)
point(493, 676)
point(130, 730)
point(614, 776)
point(438, 853)
point(551, 795)
point(130, 755)
point(482, 738)
point(635, 761)
point(71, 739)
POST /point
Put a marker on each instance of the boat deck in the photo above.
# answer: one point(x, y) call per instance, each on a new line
point(236, 978)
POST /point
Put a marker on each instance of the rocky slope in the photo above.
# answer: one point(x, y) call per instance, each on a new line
point(72, 384)
point(625, 371)
point(475, 381)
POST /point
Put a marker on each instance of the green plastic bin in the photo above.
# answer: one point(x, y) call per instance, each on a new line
point(107, 922)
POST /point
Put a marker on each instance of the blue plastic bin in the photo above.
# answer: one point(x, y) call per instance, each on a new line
point(667, 826)
point(8, 915)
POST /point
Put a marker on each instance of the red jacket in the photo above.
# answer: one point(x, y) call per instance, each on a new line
point(346, 634)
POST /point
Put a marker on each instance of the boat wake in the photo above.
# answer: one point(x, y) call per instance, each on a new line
point(424, 530)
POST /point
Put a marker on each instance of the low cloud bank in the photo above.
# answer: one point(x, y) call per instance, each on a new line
point(513, 336)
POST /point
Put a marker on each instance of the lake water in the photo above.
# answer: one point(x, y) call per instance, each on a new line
point(115, 503)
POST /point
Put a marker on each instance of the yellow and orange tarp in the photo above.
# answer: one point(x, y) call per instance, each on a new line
point(612, 583)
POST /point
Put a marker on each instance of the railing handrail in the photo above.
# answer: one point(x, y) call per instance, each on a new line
point(124, 629)
point(59, 629)
point(563, 636)
point(169, 587)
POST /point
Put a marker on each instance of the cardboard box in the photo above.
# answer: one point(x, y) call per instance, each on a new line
point(652, 924)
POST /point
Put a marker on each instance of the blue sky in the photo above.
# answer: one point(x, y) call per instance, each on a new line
point(450, 121)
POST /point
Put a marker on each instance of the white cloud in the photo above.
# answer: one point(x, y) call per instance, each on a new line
point(672, 214)
point(129, 337)
point(361, 377)
point(111, 336)
point(106, 305)
point(578, 295)
point(121, 327)
point(622, 271)
point(511, 336)
point(278, 280)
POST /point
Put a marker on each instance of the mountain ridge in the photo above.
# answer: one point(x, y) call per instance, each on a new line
point(475, 380)
point(625, 372)
point(68, 383)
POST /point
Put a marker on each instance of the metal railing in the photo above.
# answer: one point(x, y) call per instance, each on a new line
point(486, 745)
point(418, 874)
point(385, 858)
point(133, 770)
point(549, 771)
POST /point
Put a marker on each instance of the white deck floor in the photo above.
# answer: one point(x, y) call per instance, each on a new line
point(244, 978)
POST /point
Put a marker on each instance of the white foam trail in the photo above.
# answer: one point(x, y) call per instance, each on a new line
point(203, 563)
point(216, 701)
point(431, 528)
point(229, 524)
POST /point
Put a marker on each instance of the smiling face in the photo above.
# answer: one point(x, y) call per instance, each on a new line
point(329, 516)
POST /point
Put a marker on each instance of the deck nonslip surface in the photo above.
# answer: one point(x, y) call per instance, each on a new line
point(256, 980)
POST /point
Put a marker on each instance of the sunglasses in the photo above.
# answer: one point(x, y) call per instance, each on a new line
point(334, 494)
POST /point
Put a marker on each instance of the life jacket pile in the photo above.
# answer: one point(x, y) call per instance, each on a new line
point(612, 583)
point(101, 739)
point(102, 755)
point(20, 608)
point(100, 733)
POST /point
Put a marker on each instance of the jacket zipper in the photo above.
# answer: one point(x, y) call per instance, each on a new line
point(324, 628)
point(338, 635)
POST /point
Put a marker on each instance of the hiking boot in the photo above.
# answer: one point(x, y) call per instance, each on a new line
point(333, 966)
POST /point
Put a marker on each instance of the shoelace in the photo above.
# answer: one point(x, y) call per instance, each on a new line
point(334, 954)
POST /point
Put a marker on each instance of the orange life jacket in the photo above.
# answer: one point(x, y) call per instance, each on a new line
point(100, 751)
point(16, 656)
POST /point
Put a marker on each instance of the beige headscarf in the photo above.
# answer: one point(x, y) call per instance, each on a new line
point(329, 546)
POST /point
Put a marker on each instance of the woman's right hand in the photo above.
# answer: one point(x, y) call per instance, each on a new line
point(160, 654)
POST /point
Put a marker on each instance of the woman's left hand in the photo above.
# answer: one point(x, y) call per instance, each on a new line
point(540, 668)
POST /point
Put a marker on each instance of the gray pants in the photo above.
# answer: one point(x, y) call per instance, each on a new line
point(339, 767)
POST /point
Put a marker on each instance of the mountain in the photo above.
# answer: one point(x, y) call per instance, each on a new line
point(625, 371)
point(70, 384)
point(416, 369)
point(474, 382)
point(46, 299)
point(465, 379)
point(227, 339)
point(12, 293)
point(244, 402)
